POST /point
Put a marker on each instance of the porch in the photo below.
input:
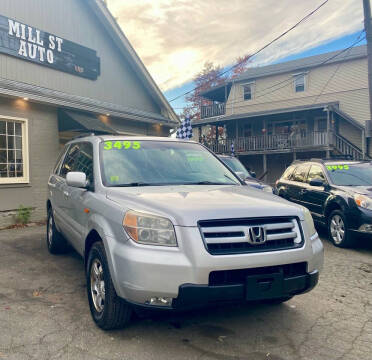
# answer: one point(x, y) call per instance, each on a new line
point(319, 130)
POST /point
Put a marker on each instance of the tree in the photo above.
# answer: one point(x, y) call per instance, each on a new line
point(210, 76)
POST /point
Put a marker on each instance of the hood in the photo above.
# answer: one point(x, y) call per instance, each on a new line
point(363, 190)
point(185, 205)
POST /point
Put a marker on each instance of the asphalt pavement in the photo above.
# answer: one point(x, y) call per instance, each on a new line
point(44, 314)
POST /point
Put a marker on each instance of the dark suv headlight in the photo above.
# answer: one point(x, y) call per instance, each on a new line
point(363, 201)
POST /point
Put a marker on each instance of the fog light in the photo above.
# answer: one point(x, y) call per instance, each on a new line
point(159, 301)
point(366, 228)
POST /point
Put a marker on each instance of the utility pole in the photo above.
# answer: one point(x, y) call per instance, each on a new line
point(368, 29)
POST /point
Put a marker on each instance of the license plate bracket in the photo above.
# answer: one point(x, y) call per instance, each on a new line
point(264, 286)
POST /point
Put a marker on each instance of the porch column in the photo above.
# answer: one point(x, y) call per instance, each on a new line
point(364, 143)
point(265, 166)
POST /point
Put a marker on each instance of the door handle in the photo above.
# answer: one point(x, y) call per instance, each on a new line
point(66, 193)
point(303, 191)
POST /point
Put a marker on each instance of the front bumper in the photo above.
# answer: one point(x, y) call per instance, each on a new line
point(143, 272)
point(360, 221)
point(191, 296)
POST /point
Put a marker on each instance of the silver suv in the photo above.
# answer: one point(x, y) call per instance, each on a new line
point(163, 223)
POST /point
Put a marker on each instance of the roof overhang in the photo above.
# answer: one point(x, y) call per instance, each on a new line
point(219, 93)
point(122, 43)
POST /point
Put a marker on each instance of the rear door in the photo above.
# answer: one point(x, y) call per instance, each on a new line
point(284, 182)
point(316, 196)
point(298, 184)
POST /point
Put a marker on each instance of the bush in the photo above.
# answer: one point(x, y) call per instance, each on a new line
point(23, 214)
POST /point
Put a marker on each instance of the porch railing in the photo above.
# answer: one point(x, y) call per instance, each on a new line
point(347, 148)
point(208, 111)
point(271, 142)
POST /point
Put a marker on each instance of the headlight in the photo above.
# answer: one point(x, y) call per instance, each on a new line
point(363, 201)
point(309, 222)
point(149, 229)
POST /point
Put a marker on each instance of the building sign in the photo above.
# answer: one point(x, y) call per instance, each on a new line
point(29, 43)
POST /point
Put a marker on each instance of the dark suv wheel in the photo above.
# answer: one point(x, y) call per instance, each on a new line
point(108, 310)
point(338, 229)
point(56, 243)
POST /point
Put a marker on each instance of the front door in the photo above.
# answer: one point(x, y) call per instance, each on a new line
point(80, 198)
point(67, 223)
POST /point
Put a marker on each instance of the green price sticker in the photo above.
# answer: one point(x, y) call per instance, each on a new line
point(118, 145)
point(114, 178)
point(338, 167)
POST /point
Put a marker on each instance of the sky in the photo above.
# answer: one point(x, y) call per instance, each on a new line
point(174, 38)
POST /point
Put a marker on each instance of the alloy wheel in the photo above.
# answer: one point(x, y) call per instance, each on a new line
point(97, 285)
point(50, 229)
point(337, 229)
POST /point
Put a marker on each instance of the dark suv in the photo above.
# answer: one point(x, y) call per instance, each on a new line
point(338, 194)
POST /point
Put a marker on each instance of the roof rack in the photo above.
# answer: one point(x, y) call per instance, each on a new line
point(333, 158)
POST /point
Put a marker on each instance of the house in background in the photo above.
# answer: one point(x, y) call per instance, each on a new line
point(313, 107)
point(66, 68)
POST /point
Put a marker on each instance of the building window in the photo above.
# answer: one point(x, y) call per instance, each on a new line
point(299, 82)
point(248, 91)
point(13, 150)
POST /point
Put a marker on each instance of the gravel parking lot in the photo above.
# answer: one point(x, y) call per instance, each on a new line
point(44, 314)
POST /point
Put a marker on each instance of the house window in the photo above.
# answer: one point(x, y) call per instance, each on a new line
point(13, 151)
point(248, 91)
point(299, 82)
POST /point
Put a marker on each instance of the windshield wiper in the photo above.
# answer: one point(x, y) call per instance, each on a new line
point(209, 183)
point(135, 184)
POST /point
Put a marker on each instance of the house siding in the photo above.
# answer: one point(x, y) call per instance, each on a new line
point(43, 150)
point(73, 20)
point(346, 83)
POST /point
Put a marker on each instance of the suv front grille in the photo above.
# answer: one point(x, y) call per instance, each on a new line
point(232, 236)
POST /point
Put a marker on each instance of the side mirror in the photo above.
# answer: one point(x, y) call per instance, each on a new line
point(317, 182)
point(77, 179)
point(253, 174)
point(241, 175)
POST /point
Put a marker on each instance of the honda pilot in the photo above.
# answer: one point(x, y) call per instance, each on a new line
point(164, 224)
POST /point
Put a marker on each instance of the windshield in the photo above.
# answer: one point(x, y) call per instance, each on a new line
point(141, 163)
point(350, 175)
point(235, 165)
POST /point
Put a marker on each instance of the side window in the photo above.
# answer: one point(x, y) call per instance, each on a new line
point(287, 174)
point(70, 159)
point(84, 161)
point(300, 173)
point(315, 172)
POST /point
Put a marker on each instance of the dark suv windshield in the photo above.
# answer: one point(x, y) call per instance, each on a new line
point(350, 174)
point(141, 163)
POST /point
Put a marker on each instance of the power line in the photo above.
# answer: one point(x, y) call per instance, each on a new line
point(291, 79)
point(257, 52)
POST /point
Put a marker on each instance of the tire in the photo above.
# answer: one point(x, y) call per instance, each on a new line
point(56, 243)
point(338, 230)
point(278, 301)
point(107, 309)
